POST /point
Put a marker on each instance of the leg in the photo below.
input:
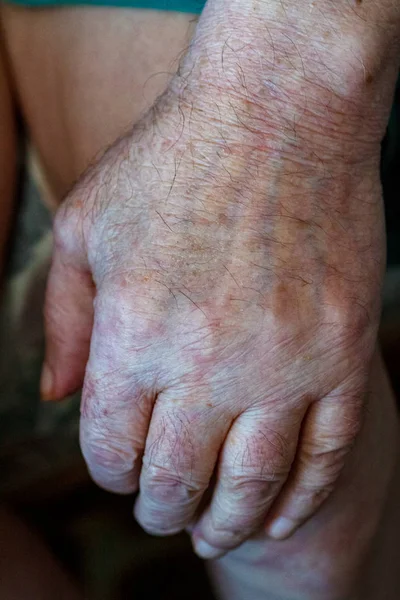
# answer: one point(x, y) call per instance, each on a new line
point(348, 550)
point(27, 570)
point(7, 155)
point(85, 75)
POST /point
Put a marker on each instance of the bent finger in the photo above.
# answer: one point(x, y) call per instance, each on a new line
point(328, 434)
point(181, 451)
point(68, 316)
point(117, 400)
point(254, 464)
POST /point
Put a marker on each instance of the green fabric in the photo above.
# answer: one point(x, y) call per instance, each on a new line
point(187, 6)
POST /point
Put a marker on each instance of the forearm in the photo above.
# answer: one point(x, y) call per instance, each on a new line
point(320, 69)
point(284, 105)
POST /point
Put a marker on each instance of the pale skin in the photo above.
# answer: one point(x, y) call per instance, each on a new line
point(229, 190)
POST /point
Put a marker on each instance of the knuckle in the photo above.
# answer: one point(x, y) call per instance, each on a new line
point(259, 465)
point(324, 464)
point(102, 380)
point(95, 389)
point(315, 490)
point(74, 218)
point(165, 487)
point(262, 452)
point(228, 530)
point(353, 334)
point(167, 501)
point(351, 316)
point(250, 486)
point(65, 228)
point(133, 328)
point(105, 451)
point(225, 525)
point(326, 459)
point(312, 496)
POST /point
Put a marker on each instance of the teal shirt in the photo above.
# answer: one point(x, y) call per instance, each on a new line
point(187, 6)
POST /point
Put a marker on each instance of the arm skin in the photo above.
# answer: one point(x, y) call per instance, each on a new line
point(234, 244)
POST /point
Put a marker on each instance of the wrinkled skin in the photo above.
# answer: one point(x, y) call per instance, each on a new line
point(233, 245)
point(347, 551)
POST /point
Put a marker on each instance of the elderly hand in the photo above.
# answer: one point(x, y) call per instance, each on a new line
point(233, 246)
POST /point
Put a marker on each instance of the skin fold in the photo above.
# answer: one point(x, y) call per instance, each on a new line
point(217, 273)
point(349, 549)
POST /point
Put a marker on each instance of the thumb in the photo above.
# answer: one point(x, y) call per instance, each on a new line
point(68, 317)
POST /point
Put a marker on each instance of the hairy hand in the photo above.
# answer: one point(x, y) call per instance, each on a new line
point(233, 246)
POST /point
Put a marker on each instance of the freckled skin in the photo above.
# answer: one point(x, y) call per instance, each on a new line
point(235, 239)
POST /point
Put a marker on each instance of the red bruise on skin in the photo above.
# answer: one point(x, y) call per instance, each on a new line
point(166, 145)
point(145, 278)
point(223, 219)
point(78, 203)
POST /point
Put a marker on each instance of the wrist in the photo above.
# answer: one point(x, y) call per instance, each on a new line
point(343, 32)
point(325, 79)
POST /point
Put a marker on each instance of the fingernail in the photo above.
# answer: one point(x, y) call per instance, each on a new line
point(46, 383)
point(281, 528)
point(206, 551)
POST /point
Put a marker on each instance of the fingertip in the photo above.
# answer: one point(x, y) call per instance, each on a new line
point(114, 483)
point(111, 462)
point(281, 528)
point(68, 319)
point(47, 392)
point(204, 550)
